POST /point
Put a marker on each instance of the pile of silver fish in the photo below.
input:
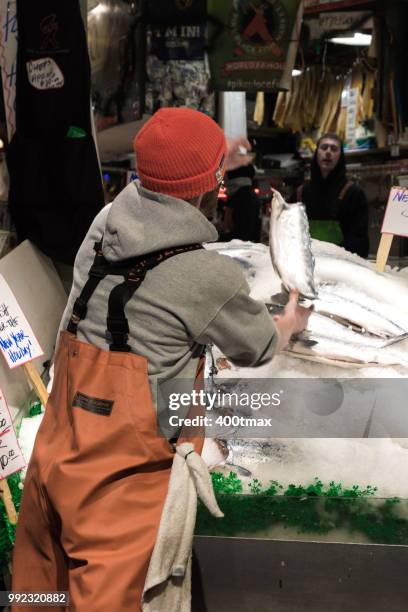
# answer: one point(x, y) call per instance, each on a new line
point(360, 315)
point(360, 320)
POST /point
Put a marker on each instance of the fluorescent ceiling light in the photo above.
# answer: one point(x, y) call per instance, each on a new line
point(357, 39)
point(296, 72)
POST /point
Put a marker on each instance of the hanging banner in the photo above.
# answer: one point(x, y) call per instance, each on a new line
point(8, 60)
point(337, 21)
point(116, 63)
point(11, 457)
point(249, 43)
point(182, 42)
point(315, 6)
point(351, 121)
point(172, 12)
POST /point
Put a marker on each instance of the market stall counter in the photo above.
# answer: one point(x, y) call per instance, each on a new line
point(316, 513)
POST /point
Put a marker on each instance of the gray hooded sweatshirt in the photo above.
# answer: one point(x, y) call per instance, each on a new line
point(187, 301)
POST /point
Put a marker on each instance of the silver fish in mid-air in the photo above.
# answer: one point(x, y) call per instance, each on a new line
point(290, 246)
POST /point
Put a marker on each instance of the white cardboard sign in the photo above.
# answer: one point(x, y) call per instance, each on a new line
point(396, 214)
point(17, 341)
point(11, 456)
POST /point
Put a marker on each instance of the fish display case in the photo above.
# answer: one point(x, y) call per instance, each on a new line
point(260, 575)
point(292, 541)
point(316, 517)
point(302, 548)
point(313, 513)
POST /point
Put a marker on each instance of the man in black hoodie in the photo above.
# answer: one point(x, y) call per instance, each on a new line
point(337, 208)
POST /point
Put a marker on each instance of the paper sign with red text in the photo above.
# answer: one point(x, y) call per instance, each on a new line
point(11, 456)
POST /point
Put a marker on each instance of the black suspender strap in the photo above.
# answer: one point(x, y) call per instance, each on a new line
point(117, 326)
point(96, 273)
point(117, 323)
point(134, 271)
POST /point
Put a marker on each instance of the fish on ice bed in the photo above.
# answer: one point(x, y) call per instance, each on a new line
point(358, 311)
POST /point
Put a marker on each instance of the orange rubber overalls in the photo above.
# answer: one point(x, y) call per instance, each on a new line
point(99, 472)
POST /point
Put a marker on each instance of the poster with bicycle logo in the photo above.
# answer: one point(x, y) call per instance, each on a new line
point(249, 42)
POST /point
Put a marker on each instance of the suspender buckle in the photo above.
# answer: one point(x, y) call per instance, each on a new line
point(117, 334)
point(97, 271)
point(78, 313)
point(79, 310)
point(118, 326)
point(125, 348)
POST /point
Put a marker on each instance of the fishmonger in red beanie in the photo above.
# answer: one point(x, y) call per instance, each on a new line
point(180, 152)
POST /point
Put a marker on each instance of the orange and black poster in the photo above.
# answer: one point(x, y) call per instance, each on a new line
point(249, 42)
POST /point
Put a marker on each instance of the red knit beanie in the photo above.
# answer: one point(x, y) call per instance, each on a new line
point(180, 152)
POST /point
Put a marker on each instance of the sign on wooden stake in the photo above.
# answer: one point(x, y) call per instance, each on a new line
point(395, 224)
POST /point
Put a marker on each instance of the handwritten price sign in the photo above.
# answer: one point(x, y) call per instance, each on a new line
point(17, 341)
point(396, 214)
point(11, 457)
point(44, 74)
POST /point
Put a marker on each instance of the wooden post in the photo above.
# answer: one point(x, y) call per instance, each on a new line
point(8, 501)
point(384, 249)
point(36, 381)
point(42, 393)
